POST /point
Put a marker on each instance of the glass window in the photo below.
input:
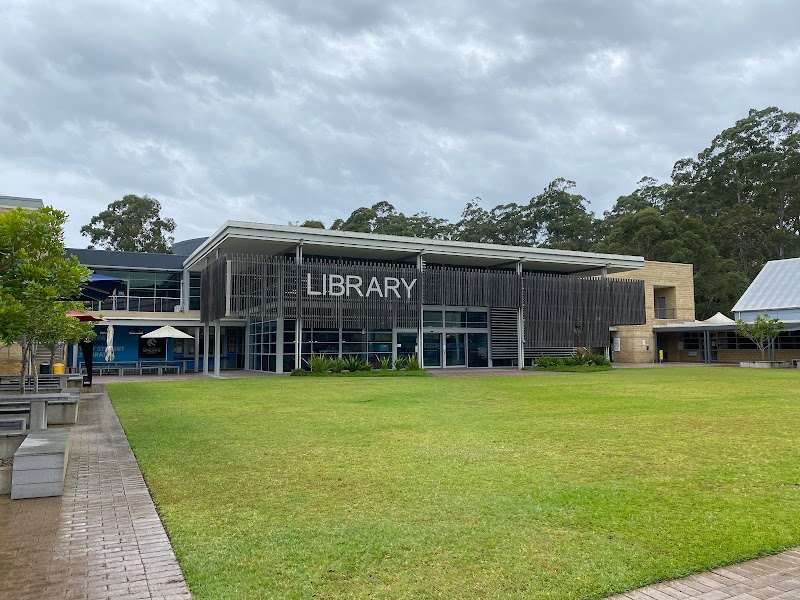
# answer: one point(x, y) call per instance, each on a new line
point(142, 280)
point(432, 349)
point(380, 336)
point(353, 336)
point(380, 348)
point(477, 319)
point(326, 336)
point(406, 344)
point(353, 348)
point(455, 318)
point(432, 318)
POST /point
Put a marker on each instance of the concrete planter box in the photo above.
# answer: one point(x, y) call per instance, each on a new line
point(766, 364)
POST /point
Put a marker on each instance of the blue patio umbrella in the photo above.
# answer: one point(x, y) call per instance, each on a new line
point(98, 288)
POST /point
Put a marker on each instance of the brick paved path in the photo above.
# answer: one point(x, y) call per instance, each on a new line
point(102, 539)
point(776, 577)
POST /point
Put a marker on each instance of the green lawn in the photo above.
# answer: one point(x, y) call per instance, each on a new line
point(549, 486)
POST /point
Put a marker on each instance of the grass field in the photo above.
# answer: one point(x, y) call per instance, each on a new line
point(547, 486)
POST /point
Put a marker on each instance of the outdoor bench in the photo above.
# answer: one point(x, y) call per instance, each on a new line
point(56, 408)
point(40, 464)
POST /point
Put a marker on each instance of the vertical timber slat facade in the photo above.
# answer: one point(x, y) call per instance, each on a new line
point(446, 315)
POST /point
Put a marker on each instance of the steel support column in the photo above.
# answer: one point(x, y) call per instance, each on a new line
point(520, 321)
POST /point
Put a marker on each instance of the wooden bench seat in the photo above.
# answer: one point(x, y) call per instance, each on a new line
point(40, 464)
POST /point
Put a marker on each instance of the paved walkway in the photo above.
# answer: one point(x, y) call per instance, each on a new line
point(102, 539)
point(776, 577)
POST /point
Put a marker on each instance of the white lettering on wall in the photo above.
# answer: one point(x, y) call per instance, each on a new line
point(374, 287)
point(351, 285)
point(335, 281)
point(309, 291)
point(391, 283)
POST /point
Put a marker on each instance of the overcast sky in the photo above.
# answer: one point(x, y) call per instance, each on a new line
point(284, 110)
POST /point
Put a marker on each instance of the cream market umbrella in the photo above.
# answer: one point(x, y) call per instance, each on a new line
point(110, 343)
point(168, 332)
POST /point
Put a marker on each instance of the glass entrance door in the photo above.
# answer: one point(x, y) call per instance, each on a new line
point(478, 353)
point(455, 350)
point(432, 349)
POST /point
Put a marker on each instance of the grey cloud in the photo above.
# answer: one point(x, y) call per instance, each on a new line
point(282, 110)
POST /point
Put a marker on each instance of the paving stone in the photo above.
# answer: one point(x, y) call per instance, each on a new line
point(102, 538)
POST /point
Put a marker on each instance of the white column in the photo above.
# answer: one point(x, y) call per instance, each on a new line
point(298, 335)
point(421, 308)
point(196, 349)
point(298, 324)
point(205, 348)
point(520, 325)
point(217, 342)
point(278, 346)
point(247, 327)
point(185, 291)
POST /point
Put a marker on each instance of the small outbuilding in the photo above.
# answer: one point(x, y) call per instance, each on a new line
point(774, 292)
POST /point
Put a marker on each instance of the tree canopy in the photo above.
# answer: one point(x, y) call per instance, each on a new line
point(35, 279)
point(761, 331)
point(132, 224)
point(727, 211)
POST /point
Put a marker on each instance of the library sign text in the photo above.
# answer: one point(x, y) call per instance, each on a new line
point(354, 285)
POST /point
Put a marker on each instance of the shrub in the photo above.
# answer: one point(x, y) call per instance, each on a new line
point(546, 362)
point(336, 365)
point(576, 360)
point(413, 363)
point(353, 363)
point(319, 363)
point(384, 362)
point(401, 363)
point(297, 372)
point(598, 359)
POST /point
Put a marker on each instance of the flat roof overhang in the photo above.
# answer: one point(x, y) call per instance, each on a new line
point(687, 327)
point(236, 237)
point(139, 321)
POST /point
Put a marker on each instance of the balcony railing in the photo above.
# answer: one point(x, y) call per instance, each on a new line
point(137, 304)
point(665, 313)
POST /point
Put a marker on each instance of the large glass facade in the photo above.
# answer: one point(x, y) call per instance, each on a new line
point(453, 337)
point(262, 338)
point(143, 291)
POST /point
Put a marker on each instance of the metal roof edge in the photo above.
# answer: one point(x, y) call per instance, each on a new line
point(250, 230)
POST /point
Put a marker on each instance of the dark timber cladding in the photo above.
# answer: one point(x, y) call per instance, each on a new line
point(212, 291)
point(571, 311)
point(558, 310)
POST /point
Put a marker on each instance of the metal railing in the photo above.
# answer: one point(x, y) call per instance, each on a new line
point(137, 304)
point(665, 313)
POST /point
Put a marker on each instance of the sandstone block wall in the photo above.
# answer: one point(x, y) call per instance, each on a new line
point(675, 281)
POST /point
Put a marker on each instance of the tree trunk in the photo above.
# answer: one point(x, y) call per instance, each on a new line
point(35, 370)
point(23, 366)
